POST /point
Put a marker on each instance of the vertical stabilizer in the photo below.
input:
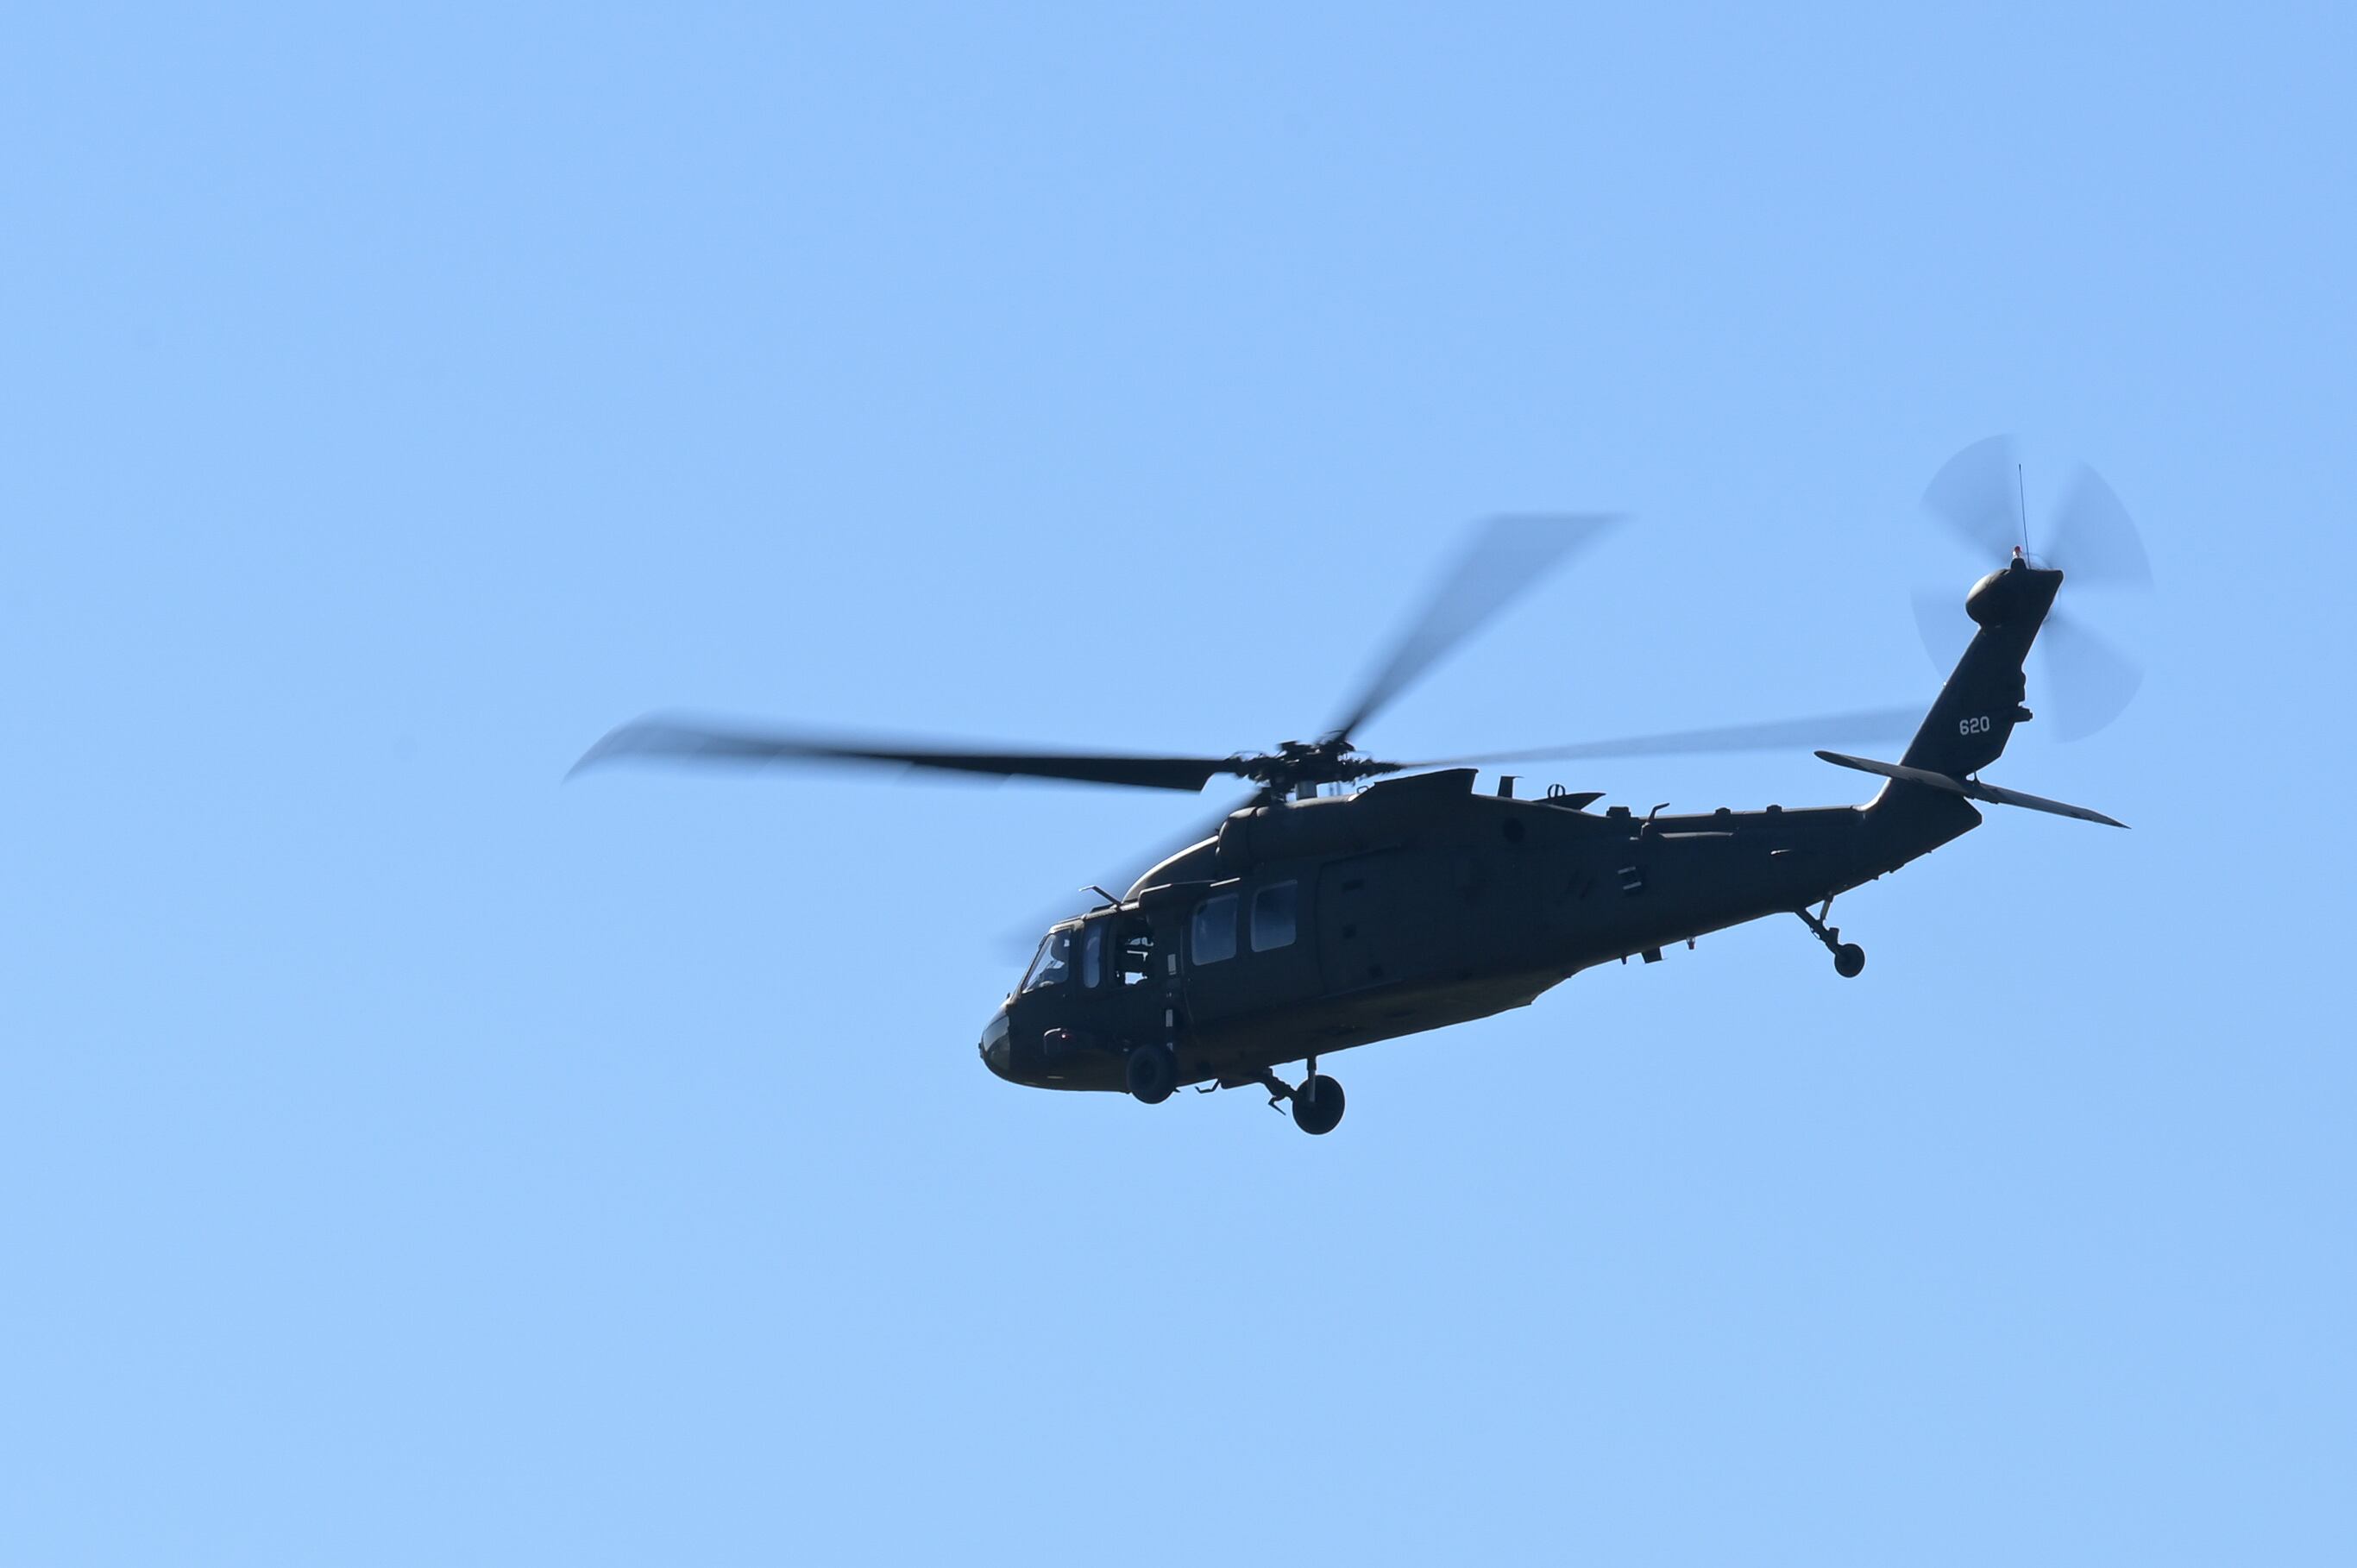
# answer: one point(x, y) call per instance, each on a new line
point(1973, 718)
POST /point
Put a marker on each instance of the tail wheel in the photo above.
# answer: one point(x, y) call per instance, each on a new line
point(1849, 961)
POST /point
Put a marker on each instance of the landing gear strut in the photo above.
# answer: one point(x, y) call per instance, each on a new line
point(1849, 958)
point(1316, 1099)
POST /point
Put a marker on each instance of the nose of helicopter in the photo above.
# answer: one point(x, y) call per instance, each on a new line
point(993, 1046)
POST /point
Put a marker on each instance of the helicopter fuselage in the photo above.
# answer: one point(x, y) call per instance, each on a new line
point(1312, 926)
point(1310, 923)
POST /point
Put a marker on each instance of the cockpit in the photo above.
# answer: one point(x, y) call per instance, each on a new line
point(1083, 999)
point(1052, 964)
point(1108, 948)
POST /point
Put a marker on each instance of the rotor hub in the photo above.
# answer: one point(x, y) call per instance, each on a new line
point(1297, 763)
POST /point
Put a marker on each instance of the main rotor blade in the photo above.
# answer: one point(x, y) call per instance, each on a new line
point(1505, 558)
point(2093, 682)
point(683, 741)
point(1862, 724)
point(1977, 493)
point(2094, 540)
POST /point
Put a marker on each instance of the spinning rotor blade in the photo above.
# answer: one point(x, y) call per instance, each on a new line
point(1863, 725)
point(1977, 493)
point(2094, 681)
point(686, 742)
point(2087, 680)
point(1506, 557)
point(1944, 627)
point(2094, 540)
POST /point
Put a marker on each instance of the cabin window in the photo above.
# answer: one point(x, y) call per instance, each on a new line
point(1053, 965)
point(1213, 936)
point(1092, 938)
point(1276, 919)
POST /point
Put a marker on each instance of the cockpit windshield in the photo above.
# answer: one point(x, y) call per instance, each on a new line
point(1053, 964)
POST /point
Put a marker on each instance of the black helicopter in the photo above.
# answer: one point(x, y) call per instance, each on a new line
point(1349, 899)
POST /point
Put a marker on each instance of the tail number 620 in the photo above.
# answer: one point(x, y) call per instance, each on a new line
point(1978, 725)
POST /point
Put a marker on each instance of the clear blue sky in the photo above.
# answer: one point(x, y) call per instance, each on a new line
point(406, 1158)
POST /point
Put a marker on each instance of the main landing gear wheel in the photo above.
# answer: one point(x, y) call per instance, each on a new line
point(1153, 1073)
point(1317, 1105)
point(1849, 961)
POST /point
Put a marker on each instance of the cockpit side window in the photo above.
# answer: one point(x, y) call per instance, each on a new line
point(1053, 965)
point(1093, 942)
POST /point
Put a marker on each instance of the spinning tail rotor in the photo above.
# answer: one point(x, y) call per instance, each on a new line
point(1978, 497)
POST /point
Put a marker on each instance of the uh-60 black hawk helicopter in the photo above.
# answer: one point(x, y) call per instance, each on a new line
point(1324, 911)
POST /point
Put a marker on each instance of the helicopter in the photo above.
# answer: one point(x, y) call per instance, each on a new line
point(1349, 899)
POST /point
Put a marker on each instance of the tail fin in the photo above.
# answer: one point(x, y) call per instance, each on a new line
point(1973, 718)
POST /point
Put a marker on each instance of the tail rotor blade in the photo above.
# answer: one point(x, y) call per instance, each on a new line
point(1975, 495)
point(2094, 540)
point(1941, 620)
point(2094, 681)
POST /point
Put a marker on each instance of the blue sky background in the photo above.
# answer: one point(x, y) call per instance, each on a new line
point(406, 1157)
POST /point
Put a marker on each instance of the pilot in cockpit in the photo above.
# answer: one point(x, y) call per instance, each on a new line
point(1053, 965)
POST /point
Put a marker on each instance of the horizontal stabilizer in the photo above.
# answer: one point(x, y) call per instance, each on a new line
point(1972, 788)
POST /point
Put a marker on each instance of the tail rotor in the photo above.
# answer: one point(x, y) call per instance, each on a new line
point(1977, 496)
